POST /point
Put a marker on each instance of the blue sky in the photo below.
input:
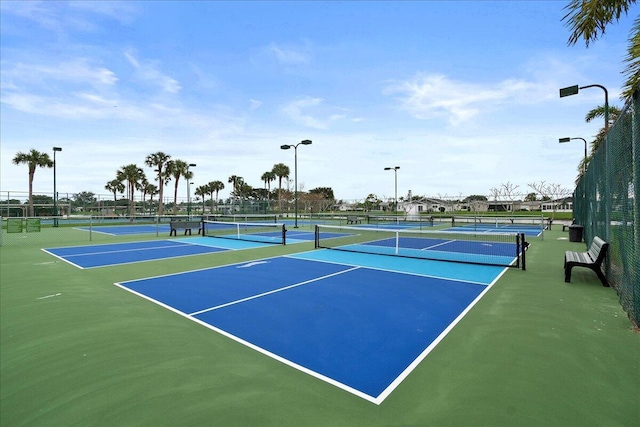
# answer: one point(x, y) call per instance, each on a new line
point(463, 96)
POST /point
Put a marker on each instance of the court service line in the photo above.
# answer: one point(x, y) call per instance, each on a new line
point(436, 245)
point(295, 285)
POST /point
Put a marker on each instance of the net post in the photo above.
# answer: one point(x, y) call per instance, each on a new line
point(284, 235)
point(316, 237)
point(518, 251)
point(524, 252)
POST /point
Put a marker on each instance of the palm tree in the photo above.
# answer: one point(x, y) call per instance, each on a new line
point(598, 113)
point(267, 177)
point(146, 188)
point(281, 171)
point(132, 174)
point(177, 169)
point(151, 190)
point(34, 159)
point(202, 191)
point(236, 182)
point(588, 19)
point(215, 186)
point(115, 186)
point(159, 160)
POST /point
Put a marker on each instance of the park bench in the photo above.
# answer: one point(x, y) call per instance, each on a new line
point(353, 219)
point(591, 259)
point(184, 225)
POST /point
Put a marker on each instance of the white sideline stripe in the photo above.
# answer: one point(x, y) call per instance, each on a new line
point(195, 313)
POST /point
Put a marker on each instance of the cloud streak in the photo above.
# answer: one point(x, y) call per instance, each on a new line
point(435, 96)
point(149, 72)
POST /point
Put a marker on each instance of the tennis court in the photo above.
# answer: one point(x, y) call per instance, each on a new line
point(361, 322)
point(93, 256)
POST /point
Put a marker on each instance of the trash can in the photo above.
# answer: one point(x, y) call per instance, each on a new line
point(575, 233)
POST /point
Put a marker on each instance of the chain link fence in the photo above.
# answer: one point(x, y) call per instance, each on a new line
point(606, 205)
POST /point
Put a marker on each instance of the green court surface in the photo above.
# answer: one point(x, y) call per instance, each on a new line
point(77, 350)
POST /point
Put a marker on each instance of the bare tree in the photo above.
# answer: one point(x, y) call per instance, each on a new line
point(551, 192)
point(509, 191)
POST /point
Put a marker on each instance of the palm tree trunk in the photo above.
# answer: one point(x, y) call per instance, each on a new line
point(31, 194)
point(175, 198)
point(280, 195)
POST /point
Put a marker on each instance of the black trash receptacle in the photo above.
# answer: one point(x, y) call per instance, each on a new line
point(575, 233)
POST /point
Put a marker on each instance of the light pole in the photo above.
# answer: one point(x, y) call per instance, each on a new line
point(584, 165)
point(295, 151)
point(395, 172)
point(55, 192)
point(190, 165)
point(573, 90)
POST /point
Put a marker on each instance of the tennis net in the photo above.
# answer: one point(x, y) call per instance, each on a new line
point(498, 249)
point(262, 232)
point(409, 221)
point(514, 223)
point(273, 218)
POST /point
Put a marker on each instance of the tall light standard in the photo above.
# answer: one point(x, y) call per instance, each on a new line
point(573, 90)
point(395, 171)
point(55, 192)
point(562, 140)
point(189, 176)
point(295, 150)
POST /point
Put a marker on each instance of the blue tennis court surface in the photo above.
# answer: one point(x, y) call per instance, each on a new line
point(360, 322)
point(125, 253)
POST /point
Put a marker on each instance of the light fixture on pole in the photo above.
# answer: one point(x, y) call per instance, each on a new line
point(584, 165)
point(395, 171)
point(188, 176)
point(573, 90)
point(295, 150)
point(55, 192)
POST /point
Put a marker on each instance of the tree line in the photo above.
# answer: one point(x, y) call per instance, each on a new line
point(131, 178)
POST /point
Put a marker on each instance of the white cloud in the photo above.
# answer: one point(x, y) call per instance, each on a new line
point(289, 55)
point(73, 16)
point(321, 115)
point(78, 71)
point(148, 71)
point(254, 104)
point(295, 111)
point(435, 96)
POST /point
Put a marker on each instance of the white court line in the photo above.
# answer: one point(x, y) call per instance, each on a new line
point(295, 285)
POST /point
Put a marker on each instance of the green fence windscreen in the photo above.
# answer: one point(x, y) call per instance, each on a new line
point(606, 204)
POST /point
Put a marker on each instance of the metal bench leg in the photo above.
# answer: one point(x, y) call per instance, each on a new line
point(567, 273)
point(601, 276)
